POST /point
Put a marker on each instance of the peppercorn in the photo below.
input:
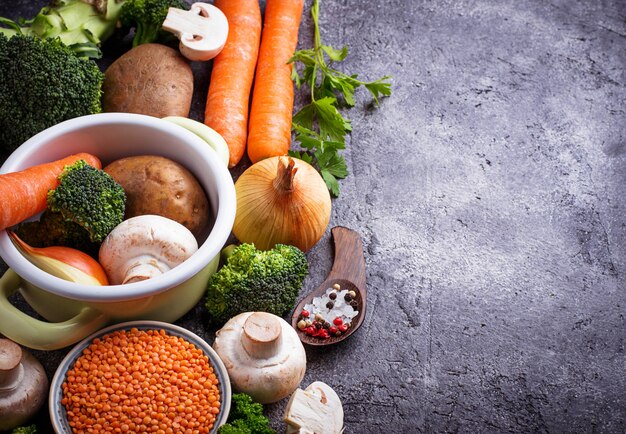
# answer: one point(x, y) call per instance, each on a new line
point(354, 304)
point(301, 324)
point(330, 305)
point(347, 297)
point(332, 295)
point(342, 328)
point(352, 294)
point(333, 329)
point(337, 286)
point(318, 325)
point(305, 313)
point(338, 321)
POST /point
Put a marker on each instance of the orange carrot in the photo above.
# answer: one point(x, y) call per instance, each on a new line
point(228, 99)
point(24, 193)
point(269, 130)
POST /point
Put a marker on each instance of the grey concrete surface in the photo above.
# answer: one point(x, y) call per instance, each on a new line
point(489, 192)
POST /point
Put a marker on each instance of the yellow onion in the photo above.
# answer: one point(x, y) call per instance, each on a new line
point(281, 200)
point(63, 262)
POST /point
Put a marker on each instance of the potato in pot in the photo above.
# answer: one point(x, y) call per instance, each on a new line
point(158, 185)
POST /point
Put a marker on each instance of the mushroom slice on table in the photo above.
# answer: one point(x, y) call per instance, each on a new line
point(317, 409)
point(202, 30)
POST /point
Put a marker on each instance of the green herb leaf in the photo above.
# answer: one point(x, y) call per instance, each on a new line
point(319, 126)
point(334, 54)
point(332, 125)
point(379, 87)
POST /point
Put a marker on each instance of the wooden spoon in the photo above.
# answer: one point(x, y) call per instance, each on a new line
point(349, 272)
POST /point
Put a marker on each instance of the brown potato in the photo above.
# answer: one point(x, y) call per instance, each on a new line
point(158, 185)
point(150, 79)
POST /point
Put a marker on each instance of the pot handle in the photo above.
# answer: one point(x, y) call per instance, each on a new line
point(42, 335)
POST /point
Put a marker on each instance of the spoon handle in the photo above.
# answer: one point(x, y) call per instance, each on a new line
point(349, 260)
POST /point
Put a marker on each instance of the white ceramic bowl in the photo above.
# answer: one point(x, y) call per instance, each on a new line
point(75, 310)
point(58, 414)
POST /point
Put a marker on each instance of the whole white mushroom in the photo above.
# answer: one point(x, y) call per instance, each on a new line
point(263, 355)
point(143, 247)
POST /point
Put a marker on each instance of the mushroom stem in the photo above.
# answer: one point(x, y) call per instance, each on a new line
point(145, 268)
point(261, 336)
point(11, 369)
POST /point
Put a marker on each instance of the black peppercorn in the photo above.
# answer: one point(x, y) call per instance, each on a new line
point(330, 305)
point(354, 304)
point(332, 295)
point(348, 298)
point(318, 325)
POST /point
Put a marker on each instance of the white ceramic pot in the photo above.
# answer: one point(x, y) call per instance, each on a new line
point(75, 310)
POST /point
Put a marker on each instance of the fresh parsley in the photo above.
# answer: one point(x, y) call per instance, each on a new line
point(319, 126)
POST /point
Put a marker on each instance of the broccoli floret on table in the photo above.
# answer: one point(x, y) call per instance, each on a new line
point(255, 280)
point(146, 17)
point(42, 83)
point(89, 197)
point(82, 25)
point(246, 417)
point(31, 429)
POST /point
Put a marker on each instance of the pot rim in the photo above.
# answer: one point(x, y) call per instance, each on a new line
point(223, 223)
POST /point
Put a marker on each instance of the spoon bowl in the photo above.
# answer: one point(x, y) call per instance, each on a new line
point(348, 271)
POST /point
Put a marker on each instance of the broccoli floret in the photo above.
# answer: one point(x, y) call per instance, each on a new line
point(146, 17)
point(245, 417)
point(42, 83)
point(32, 429)
point(89, 197)
point(254, 280)
point(53, 230)
point(79, 24)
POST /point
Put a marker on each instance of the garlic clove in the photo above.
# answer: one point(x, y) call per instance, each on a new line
point(63, 262)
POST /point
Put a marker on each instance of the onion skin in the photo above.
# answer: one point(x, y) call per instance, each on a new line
point(281, 200)
point(63, 262)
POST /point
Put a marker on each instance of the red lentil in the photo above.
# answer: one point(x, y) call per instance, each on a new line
point(141, 381)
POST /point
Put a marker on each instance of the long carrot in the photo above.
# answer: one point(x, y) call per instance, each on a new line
point(269, 130)
point(228, 99)
point(24, 193)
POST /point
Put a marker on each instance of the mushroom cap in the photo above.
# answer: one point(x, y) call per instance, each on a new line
point(263, 355)
point(143, 247)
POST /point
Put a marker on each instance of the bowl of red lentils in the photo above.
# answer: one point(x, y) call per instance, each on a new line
point(140, 377)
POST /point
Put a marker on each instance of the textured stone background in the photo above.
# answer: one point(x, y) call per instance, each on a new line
point(489, 192)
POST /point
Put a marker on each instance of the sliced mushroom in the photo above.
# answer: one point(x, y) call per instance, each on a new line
point(143, 247)
point(317, 409)
point(202, 30)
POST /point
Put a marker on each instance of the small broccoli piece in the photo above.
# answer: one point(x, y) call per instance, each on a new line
point(32, 429)
point(245, 417)
point(53, 230)
point(42, 83)
point(147, 17)
point(89, 197)
point(82, 25)
point(254, 280)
